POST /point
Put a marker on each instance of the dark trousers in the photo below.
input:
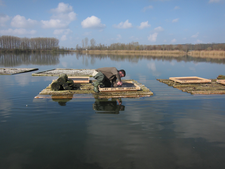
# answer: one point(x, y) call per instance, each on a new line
point(102, 80)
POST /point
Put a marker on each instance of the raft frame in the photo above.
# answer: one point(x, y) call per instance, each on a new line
point(117, 89)
point(190, 79)
point(79, 79)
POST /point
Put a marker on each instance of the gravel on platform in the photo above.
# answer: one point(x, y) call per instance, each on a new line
point(11, 71)
point(69, 72)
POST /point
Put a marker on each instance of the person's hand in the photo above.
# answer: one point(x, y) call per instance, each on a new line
point(119, 102)
point(119, 83)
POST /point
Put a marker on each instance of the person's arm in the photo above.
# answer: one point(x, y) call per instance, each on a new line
point(116, 73)
point(119, 83)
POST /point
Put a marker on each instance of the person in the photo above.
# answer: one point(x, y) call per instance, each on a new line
point(107, 76)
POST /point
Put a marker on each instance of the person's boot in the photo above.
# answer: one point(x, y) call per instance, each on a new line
point(96, 90)
point(101, 85)
point(95, 84)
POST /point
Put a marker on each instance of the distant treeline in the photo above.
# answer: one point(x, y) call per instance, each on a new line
point(137, 46)
point(16, 44)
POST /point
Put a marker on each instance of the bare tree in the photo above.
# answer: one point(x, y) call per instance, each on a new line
point(86, 42)
point(92, 42)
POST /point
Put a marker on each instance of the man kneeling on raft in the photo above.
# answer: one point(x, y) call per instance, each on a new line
point(107, 76)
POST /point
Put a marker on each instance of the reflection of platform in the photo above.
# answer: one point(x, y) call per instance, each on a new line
point(127, 86)
point(191, 79)
point(11, 71)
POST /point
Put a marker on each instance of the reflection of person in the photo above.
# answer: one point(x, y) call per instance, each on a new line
point(107, 76)
point(108, 106)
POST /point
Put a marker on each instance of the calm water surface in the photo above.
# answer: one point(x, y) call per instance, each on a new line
point(170, 129)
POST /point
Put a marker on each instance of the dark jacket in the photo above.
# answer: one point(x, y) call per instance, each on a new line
point(110, 73)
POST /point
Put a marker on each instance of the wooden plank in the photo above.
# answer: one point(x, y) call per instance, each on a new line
point(190, 79)
point(127, 86)
point(79, 79)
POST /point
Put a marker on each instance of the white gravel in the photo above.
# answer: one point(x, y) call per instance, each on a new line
point(69, 72)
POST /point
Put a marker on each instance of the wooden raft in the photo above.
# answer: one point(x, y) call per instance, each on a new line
point(221, 81)
point(197, 88)
point(190, 79)
point(87, 88)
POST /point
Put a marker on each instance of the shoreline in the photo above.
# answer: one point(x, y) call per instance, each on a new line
point(175, 53)
point(217, 54)
point(212, 54)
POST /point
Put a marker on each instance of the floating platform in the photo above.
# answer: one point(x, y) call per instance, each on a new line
point(12, 71)
point(190, 79)
point(221, 81)
point(69, 72)
point(197, 88)
point(131, 88)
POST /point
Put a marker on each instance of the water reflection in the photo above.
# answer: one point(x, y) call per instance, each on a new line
point(108, 106)
point(171, 129)
point(137, 58)
point(12, 60)
point(100, 106)
point(61, 101)
point(165, 134)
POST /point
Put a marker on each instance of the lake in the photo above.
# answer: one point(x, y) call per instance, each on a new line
point(170, 129)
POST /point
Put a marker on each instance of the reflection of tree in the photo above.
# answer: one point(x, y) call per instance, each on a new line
point(105, 106)
point(136, 58)
point(11, 60)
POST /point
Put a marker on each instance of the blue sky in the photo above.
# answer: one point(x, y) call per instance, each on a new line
point(149, 22)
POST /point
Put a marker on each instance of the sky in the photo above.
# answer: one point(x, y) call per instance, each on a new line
point(149, 22)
